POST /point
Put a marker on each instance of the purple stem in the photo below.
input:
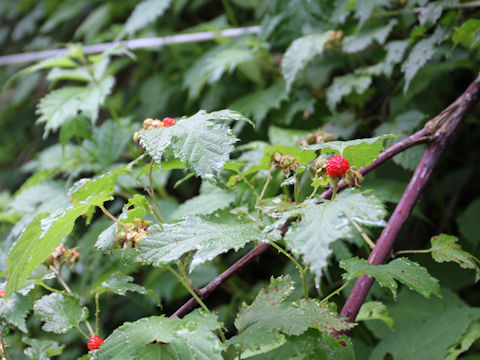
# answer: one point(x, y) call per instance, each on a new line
point(435, 130)
point(443, 126)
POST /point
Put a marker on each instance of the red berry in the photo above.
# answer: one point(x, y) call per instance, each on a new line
point(337, 166)
point(2, 293)
point(169, 122)
point(94, 343)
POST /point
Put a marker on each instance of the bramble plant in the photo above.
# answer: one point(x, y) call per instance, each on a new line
point(261, 184)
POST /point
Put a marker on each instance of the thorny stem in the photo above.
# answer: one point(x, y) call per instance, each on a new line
point(301, 270)
point(69, 291)
point(364, 235)
point(442, 127)
point(428, 134)
point(324, 300)
point(152, 193)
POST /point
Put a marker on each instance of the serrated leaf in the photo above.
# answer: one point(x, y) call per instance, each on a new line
point(64, 104)
point(358, 152)
point(15, 310)
point(374, 310)
point(101, 186)
point(190, 338)
point(59, 313)
point(395, 52)
point(344, 85)
point(468, 222)
point(145, 13)
point(205, 203)
point(224, 58)
point(468, 34)
point(325, 223)
point(445, 249)
point(42, 349)
point(41, 237)
point(429, 14)
point(300, 53)
point(358, 42)
point(202, 145)
point(467, 340)
point(119, 284)
point(420, 54)
point(311, 345)
point(271, 316)
point(303, 157)
point(407, 272)
point(208, 235)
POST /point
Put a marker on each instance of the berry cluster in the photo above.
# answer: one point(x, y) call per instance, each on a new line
point(62, 255)
point(154, 124)
point(94, 343)
point(133, 232)
point(316, 138)
point(285, 162)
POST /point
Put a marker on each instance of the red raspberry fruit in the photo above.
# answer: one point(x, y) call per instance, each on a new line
point(169, 122)
point(2, 293)
point(337, 166)
point(94, 343)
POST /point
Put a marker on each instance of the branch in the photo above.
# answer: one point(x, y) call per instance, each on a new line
point(419, 137)
point(443, 127)
point(130, 44)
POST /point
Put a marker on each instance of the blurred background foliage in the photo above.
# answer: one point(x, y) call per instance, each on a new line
point(395, 65)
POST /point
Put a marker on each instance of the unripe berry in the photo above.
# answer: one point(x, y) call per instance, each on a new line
point(157, 123)
point(147, 123)
point(337, 166)
point(94, 343)
point(136, 136)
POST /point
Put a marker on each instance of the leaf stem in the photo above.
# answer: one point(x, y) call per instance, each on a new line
point(3, 347)
point(245, 180)
point(267, 182)
point(364, 235)
point(336, 291)
point(186, 285)
point(334, 186)
point(152, 193)
point(106, 212)
point(42, 284)
point(301, 270)
point(97, 311)
point(426, 251)
point(296, 188)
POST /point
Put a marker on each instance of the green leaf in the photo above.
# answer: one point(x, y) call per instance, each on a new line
point(202, 145)
point(429, 14)
point(358, 152)
point(224, 58)
point(119, 284)
point(303, 157)
point(259, 103)
point(468, 222)
point(420, 54)
point(63, 104)
point(445, 249)
point(207, 202)
point(403, 270)
point(15, 310)
point(374, 310)
point(271, 316)
point(41, 237)
point(358, 42)
point(208, 235)
point(311, 345)
point(325, 223)
point(145, 13)
point(344, 85)
point(42, 349)
point(60, 313)
point(468, 34)
point(429, 328)
point(467, 340)
point(301, 52)
point(395, 52)
point(190, 338)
